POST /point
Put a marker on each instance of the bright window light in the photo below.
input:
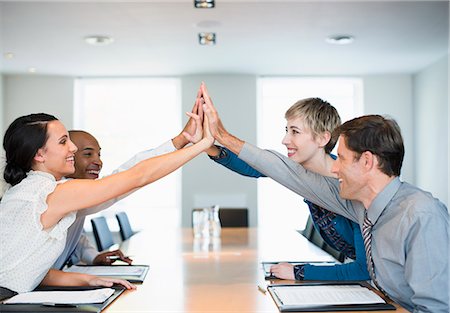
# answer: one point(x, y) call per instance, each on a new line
point(279, 207)
point(128, 116)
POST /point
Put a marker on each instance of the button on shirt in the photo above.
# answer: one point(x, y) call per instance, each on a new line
point(410, 238)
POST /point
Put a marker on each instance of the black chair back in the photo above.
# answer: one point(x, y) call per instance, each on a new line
point(233, 217)
point(102, 234)
point(125, 228)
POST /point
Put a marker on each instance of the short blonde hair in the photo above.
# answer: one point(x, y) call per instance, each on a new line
point(319, 116)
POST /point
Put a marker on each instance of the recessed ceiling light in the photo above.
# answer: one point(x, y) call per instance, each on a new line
point(9, 55)
point(207, 39)
point(32, 70)
point(340, 39)
point(98, 40)
point(204, 4)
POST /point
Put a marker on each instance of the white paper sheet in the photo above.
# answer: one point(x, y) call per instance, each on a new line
point(63, 297)
point(326, 295)
point(108, 270)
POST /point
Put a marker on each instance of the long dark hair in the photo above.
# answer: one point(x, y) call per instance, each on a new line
point(23, 138)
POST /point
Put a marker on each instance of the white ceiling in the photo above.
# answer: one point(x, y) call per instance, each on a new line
point(256, 37)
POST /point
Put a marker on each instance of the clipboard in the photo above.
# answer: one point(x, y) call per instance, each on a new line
point(136, 275)
point(81, 308)
point(318, 307)
point(268, 275)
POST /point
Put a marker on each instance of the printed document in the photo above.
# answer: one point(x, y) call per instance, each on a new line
point(318, 295)
point(63, 297)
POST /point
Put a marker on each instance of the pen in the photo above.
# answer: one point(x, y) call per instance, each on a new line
point(59, 305)
point(262, 289)
point(116, 257)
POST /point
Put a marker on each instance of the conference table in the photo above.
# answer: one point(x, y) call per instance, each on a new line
point(190, 274)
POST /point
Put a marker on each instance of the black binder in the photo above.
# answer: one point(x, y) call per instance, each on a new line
point(86, 308)
point(327, 307)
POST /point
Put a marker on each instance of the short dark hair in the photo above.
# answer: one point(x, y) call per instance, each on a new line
point(379, 135)
point(23, 138)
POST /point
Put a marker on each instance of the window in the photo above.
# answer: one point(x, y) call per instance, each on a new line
point(128, 116)
point(278, 206)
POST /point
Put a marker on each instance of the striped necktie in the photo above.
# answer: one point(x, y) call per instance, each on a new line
point(367, 237)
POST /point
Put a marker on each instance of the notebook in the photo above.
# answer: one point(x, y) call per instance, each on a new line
point(63, 307)
point(320, 297)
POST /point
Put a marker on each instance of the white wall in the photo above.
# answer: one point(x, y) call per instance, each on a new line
point(1, 105)
point(25, 94)
point(392, 95)
point(431, 129)
point(204, 182)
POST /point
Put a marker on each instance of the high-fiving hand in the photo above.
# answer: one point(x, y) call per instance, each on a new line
point(215, 124)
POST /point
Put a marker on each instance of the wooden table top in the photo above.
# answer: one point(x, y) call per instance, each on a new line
point(210, 275)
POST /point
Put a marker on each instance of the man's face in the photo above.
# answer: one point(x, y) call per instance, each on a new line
point(350, 171)
point(87, 159)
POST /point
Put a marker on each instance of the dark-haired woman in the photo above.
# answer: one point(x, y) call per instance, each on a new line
point(36, 210)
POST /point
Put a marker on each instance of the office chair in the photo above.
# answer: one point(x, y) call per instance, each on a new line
point(233, 217)
point(311, 233)
point(125, 228)
point(102, 234)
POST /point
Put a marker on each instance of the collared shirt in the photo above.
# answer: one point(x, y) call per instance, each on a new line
point(410, 238)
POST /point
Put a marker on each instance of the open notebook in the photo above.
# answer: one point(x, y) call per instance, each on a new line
point(62, 299)
point(309, 297)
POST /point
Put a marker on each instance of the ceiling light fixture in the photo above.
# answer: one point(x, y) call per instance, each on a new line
point(207, 39)
point(32, 70)
point(340, 39)
point(204, 4)
point(98, 40)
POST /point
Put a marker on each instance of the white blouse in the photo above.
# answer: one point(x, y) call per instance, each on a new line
point(27, 251)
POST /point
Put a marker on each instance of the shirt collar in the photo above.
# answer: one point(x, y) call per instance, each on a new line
point(382, 199)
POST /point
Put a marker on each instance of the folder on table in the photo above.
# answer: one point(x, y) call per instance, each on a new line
point(268, 275)
point(320, 297)
point(60, 299)
point(132, 273)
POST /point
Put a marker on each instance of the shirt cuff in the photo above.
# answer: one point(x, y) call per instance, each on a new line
point(299, 272)
point(223, 153)
point(89, 255)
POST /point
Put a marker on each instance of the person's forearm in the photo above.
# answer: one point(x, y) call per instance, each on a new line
point(231, 142)
point(60, 278)
point(155, 168)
